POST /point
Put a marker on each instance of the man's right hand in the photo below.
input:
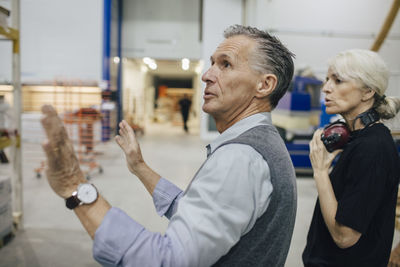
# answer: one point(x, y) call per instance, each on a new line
point(63, 171)
point(127, 141)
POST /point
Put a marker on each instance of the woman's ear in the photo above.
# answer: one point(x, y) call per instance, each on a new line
point(368, 94)
point(267, 85)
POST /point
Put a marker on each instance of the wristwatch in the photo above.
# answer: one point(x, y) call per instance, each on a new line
point(84, 194)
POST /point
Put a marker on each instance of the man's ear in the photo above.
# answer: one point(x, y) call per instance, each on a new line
point(267, 85)
point(368, 94)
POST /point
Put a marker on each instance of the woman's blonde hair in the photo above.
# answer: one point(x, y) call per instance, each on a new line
point(370, 71)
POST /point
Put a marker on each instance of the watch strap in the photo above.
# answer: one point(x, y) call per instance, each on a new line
point(72, 202)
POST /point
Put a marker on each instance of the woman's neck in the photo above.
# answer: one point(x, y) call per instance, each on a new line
point(353, 121)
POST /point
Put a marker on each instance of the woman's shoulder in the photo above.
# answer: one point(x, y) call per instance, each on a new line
point(376, 137)
point(377, 131)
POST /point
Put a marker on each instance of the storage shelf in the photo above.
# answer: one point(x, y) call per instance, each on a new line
point(9, 33)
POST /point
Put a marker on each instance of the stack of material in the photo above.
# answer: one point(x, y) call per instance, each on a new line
point(299, 109)
point(4, 14)
point(6, 219)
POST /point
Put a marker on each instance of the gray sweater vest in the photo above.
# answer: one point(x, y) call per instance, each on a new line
point(267, 243)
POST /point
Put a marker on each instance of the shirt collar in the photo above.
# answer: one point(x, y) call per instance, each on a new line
point(238, 128)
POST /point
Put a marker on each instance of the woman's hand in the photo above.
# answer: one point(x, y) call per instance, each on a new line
point(320, 158)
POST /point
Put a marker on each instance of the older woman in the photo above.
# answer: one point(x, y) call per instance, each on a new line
point(353, 220)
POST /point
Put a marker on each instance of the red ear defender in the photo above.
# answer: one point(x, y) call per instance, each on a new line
point(335, 135)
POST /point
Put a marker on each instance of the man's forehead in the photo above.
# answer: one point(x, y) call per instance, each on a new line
point(233, 46)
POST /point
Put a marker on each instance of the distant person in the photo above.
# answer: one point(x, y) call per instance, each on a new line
point(240, 207)
point(185, 104)
point(353, 221)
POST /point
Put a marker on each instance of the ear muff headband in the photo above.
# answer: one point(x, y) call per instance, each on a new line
point(368, 117)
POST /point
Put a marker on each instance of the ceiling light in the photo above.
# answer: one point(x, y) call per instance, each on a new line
point(147, 60)
point(153, 65)
point(185, 63)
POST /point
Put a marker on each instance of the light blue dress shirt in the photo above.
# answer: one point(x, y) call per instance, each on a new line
point(225, 198)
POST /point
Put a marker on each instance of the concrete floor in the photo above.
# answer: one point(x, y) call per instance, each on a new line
point(53, 236)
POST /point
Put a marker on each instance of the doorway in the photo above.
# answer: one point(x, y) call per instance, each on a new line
point(152, 90)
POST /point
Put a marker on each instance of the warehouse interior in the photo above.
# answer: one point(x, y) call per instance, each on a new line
point(98, 62)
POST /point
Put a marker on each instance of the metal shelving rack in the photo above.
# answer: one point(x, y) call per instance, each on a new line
point(12, 34)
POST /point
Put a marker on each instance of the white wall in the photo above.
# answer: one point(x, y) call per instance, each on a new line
point(161, 29)
point(217, 16)
point(134, 84)
point(59, 40)
point(315, 30)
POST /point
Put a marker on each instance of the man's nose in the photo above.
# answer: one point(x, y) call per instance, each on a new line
point(209, 76)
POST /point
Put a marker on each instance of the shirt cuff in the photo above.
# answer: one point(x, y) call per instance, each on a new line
point(114, 236)
point(164, 195)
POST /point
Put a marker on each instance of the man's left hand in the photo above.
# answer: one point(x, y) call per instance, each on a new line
point(63, 171)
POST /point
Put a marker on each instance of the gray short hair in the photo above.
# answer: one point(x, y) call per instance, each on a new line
point(270, 56)
point(369, 70)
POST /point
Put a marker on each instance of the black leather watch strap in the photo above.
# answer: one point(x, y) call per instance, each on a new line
point(72, 202)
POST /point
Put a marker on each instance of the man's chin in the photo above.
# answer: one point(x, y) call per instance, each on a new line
point(209, 110)
point(205, 108)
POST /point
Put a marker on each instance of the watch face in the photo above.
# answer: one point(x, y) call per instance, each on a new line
point(87, 193)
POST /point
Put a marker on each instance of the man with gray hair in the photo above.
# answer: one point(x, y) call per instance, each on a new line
point(240, 207)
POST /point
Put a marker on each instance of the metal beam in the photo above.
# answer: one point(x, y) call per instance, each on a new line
point(9, 33)
point(17, 96)
point(386, 26)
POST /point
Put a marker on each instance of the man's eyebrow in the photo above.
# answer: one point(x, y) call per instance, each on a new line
point(221, 56)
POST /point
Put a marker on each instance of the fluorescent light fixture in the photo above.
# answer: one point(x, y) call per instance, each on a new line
point(185, 63)
point(147, 60)
point(153, 65)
